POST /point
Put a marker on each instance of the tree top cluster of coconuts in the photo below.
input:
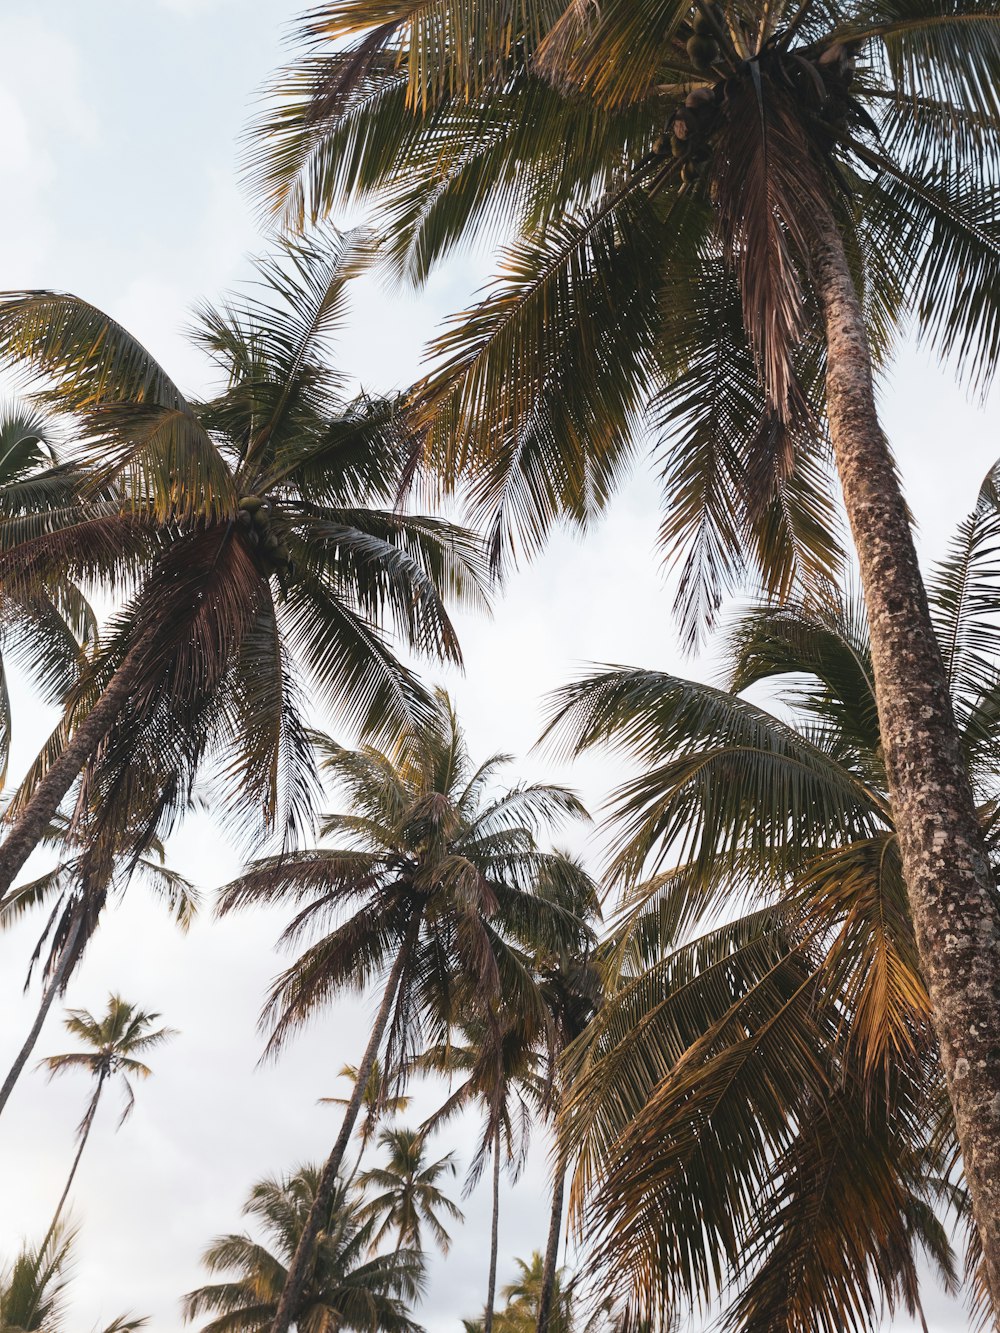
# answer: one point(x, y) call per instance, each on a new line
point(254, 516)
point(687, 137)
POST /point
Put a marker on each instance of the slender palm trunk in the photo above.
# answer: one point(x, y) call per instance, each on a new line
point(85, 1129)
point(947, 874)
point(31, 823)
point(299, 1267)
point(552, 1245)
point(49, 994)
point(491, 1290)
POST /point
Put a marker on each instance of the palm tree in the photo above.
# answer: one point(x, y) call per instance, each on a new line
point(75, 892)
point(502, 1077)
point(346, 1287)
point(261, 529)
point(405, 1194)
point(113, 1043)
point(771, 1013)
point(432, 893)
point(523, 1299)
point(31, 1290)
point(571, 986)
point(376, 1099)
point(719, 218)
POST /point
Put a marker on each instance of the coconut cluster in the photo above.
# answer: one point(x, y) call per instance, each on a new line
point(689, 132)
point(270, 552)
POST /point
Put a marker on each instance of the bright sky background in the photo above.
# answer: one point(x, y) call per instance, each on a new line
point(118, 157)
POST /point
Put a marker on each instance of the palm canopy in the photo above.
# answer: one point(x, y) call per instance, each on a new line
point(347, 1288)
point(255, 534)
point(47, 628)
point(760, 1100)
point(657, 172)
point(432, 861)
point(113, 1043)
point(32, 1289)
point(404, 1195)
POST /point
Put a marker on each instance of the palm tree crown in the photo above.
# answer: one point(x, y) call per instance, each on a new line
point(403, 1195)
point(261, 531)
point(660, 171)
point(347, 1288)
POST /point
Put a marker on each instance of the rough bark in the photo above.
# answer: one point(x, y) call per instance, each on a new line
point(298, 1269)
point(85, 1129)
point(31, 824)
point(551, 1263)
point(491, 1290)
point(945, 866)
point(56, 982)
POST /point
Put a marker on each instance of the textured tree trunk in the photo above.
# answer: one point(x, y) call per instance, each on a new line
point(30, 825)
point(85, 1129)
point(491, 1290)
point(552, 1245)
point(299, 1267)
point(51, 990)
point(944, 863)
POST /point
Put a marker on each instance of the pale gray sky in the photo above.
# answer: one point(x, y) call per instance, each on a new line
point(118, 161)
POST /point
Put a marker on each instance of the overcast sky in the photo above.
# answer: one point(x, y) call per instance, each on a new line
point(118, 153)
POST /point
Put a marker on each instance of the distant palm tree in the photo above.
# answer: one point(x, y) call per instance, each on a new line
point(75, 893)
point(346, 1288)
point(502, 1076)
point(114, 1041)
point(378, 1102)
point(403, 1194)
point(436, 893)
point(261, 531)
point(31, 1290)
point(570, 1312)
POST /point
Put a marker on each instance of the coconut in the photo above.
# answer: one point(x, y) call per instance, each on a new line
point(703, 25)
point(703, 51)
point(251, 503)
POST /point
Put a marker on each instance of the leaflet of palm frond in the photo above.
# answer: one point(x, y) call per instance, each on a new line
point(649, 1021)
point(90, 357)
point(699, 1151)
point(871, 969)
point(528, 375)
point(836, 1243)
point(822, 657)
point(713, 764)
point(963, 590)
point(744, 493)
point(162, 461)
point(945, 231)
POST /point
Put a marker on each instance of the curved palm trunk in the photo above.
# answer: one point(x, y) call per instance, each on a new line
point(299, 1267)
point(85, 1129)
point(491, 1291)
point(56, 982)
point(552, 1246)
point(944, 862)
point(30, 825)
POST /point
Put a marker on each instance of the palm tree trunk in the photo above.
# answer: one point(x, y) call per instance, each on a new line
point(51, 990)
point(947, 874)
point(31, 823)
point(491, 1290)
point(552, 1245)
point(85, 1129)
point(298, 1269)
